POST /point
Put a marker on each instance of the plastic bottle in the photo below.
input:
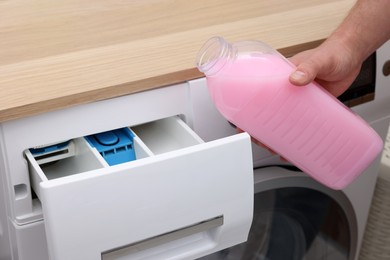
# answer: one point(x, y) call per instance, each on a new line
point(248, 82)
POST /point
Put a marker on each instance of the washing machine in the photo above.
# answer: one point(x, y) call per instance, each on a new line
point(294, 216)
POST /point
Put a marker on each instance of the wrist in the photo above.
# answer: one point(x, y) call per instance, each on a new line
point(348, 44)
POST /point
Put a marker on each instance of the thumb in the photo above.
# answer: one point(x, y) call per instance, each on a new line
point(305, 73)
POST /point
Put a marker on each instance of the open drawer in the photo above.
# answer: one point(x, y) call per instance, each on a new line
point(180, 199)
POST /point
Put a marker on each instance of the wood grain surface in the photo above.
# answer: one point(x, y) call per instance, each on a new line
point(57, 54)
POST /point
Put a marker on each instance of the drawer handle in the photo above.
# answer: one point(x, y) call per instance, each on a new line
point(163, 238)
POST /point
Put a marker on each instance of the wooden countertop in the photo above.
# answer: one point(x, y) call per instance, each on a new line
point(56, 54)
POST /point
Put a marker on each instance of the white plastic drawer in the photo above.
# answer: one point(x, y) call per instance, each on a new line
point(181, 199)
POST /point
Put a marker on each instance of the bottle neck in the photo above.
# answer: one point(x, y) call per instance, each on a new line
point(214, 55)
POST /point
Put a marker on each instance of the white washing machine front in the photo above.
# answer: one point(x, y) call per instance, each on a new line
point(295, 217)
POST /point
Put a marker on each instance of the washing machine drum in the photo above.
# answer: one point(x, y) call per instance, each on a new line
point(293, 224)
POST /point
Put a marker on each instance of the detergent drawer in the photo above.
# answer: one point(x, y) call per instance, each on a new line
point(180, 198)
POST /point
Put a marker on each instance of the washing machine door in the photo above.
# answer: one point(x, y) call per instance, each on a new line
point(295, 218)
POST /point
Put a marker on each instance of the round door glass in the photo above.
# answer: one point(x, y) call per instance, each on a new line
point(293, 224)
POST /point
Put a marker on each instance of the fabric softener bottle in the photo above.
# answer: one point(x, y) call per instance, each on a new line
point(249, 84)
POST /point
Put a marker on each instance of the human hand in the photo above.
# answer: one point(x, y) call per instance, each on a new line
point(333, 65)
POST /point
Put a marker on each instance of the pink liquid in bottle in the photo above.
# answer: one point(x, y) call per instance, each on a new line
point(306, 125)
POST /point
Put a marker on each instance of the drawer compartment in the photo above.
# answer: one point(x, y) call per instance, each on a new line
point(77, 158)
point(177, 185)
point(166, 135)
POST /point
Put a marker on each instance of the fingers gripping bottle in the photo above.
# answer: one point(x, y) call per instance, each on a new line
point(249, 84)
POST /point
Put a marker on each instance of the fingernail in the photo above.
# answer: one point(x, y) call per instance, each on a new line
point(298, 76)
